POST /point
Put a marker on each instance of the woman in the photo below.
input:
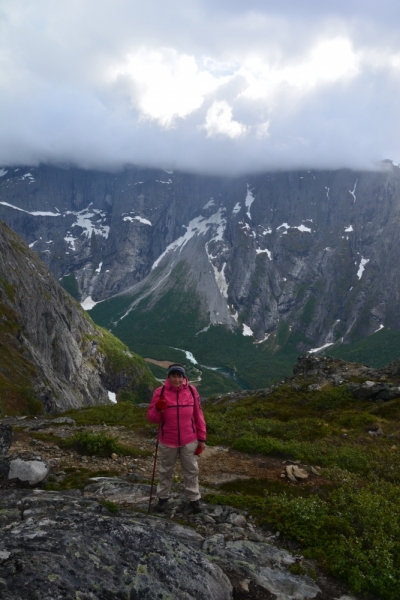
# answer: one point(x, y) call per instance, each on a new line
point(182, 432)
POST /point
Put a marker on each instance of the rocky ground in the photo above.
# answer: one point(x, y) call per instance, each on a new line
point(217, 464)
point(61, 541)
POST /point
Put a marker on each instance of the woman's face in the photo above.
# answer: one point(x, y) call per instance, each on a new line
point(175, 378)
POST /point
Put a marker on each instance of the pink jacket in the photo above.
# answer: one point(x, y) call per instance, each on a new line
point(183, 421)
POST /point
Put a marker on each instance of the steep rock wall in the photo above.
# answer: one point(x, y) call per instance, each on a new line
point(51, 351)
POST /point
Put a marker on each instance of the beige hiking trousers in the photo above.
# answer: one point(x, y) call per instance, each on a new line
point(190, 470)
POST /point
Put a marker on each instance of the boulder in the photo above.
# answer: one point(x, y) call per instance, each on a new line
point(28, 472)
point(5, 439)
point(371, 390)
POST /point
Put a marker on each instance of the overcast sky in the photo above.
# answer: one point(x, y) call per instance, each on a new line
point(223, 86)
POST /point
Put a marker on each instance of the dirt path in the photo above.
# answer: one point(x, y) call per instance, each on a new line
point(217, 464)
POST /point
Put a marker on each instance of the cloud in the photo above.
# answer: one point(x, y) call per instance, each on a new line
point(219, 121)
point(223, 87)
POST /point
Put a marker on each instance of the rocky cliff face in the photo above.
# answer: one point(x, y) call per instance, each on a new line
point(305, 258)
point(52, 355)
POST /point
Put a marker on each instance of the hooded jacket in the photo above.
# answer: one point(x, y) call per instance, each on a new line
point(182, 422)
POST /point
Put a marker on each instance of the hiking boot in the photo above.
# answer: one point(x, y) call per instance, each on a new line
point(162, 505)
point(195, 506)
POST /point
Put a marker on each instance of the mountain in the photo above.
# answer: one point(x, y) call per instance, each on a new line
point(53, 357)
point(241, 275)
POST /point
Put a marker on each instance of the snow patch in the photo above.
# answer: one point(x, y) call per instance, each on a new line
point(258, 251)
point(33, 213)
point(209, 203)
point(236, 208)
point(98, 270)
point(249, 200)
point(379, 328)
point(349, 228)
point(303, 228)
point(361, 268)
point(84, 221)
point(3, 172)
point(197, 226)
point(112, 397)
point(88, 303)
point(264, 339)
point(71, 241)
point(247, 331)
point(140, 219)
point(353, 193)
point(318, 349)
point(299, 227)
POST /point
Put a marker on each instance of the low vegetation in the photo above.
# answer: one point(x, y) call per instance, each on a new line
point(376, 350)
point(17, 372)
point(349, 518)
point(99, 444)
point(77, 479)
point(123, 413)
point(351, 522)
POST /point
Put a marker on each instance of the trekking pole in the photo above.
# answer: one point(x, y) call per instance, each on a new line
point(154, 468)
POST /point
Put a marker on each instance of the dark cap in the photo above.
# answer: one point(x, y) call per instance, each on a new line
point(176, 369)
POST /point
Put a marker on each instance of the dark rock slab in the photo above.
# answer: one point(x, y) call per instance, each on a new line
point(77, 549)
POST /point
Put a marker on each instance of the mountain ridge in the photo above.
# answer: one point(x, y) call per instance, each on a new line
point(294, 261)
point(53, 357)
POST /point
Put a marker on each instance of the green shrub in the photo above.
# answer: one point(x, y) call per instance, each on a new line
point(98, 444)
point(110, 506)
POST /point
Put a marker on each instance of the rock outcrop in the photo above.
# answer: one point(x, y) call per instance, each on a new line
point(315, 371)
point(363, 382)
point(52, 355)
point(68, 545)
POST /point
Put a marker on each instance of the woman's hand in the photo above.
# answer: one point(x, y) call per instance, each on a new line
point(200, 447)
point(161, 404)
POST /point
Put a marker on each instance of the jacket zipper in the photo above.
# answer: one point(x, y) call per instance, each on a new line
point(177, 414)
